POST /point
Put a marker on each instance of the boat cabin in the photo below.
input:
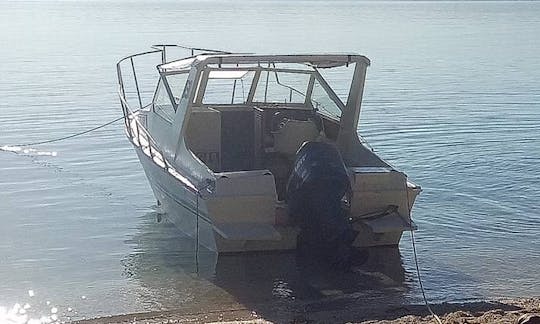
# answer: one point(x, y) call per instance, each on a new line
point(252, 112)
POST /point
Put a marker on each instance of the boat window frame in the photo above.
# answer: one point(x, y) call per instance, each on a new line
point(281, 70)
point(331, 94)
point(204, 74)
point(163, 80)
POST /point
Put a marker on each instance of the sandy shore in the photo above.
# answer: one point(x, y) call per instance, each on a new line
point(339, 311)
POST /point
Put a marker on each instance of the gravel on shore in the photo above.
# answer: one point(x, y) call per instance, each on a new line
point(500, 311)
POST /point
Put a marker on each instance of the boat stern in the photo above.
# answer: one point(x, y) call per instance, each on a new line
point(381, 205)
point(244, 211)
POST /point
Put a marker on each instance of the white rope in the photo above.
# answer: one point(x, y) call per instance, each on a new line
point(73, 135)
point(416, 259)
point(420, 280)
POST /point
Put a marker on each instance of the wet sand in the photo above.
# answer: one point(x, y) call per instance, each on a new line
point(342, 311)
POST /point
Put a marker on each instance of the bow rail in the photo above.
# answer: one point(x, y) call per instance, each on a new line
point(134, 126)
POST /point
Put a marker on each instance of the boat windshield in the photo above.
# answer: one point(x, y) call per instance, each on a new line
point(259, 86)
point(321, 101)
point(228, 87)
point(282, 87)
point(170, 85)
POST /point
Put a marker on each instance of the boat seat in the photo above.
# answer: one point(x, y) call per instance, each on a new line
point(292, 134)
point(203, 136)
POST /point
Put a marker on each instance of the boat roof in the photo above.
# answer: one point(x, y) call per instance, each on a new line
point(314, 60)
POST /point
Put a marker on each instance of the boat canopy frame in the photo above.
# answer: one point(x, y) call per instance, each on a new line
point(314, 60)
point(205, 76)
point(201, 59)
point(201, 66)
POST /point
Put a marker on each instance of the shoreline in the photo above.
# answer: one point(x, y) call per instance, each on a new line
point(504, 310)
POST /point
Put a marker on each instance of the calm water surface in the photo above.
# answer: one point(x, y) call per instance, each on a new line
point(452, 98)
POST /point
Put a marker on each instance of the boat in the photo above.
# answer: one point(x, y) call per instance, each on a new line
point(249, 152)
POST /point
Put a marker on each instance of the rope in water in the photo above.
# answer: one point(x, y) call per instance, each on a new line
point(73, 135)
point(416, 262)
point(420, 280)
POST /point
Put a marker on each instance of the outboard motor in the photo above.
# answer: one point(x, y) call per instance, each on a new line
point(318, 192)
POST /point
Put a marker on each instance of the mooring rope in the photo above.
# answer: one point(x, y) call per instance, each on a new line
point(420, 280)
point(72, 135)
point(416, 261)
point(197, 234)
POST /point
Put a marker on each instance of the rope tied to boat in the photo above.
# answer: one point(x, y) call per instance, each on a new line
point(72, 135)
point(435, 316)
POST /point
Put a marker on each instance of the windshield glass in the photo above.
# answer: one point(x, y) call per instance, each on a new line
point(272, 85)
point(177, 82)
point(228, 87)
point(321, 101)
point(163, 105)
point(282, 87)
point(162, 102)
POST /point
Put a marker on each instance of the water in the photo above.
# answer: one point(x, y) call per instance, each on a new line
point(452, 98)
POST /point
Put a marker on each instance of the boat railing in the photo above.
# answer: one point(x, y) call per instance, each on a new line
point(162, 50)
point(135, 129)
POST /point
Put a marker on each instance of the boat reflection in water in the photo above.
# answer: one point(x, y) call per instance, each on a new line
point(174, 276)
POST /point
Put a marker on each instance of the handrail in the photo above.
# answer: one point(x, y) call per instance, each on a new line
point(161, 48)
point(139, 136)
point(137, 132)
point(192, 49)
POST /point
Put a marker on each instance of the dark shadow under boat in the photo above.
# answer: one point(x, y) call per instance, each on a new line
point(275, 285)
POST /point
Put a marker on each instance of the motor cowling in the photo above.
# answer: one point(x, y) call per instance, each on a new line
point(318, 191)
